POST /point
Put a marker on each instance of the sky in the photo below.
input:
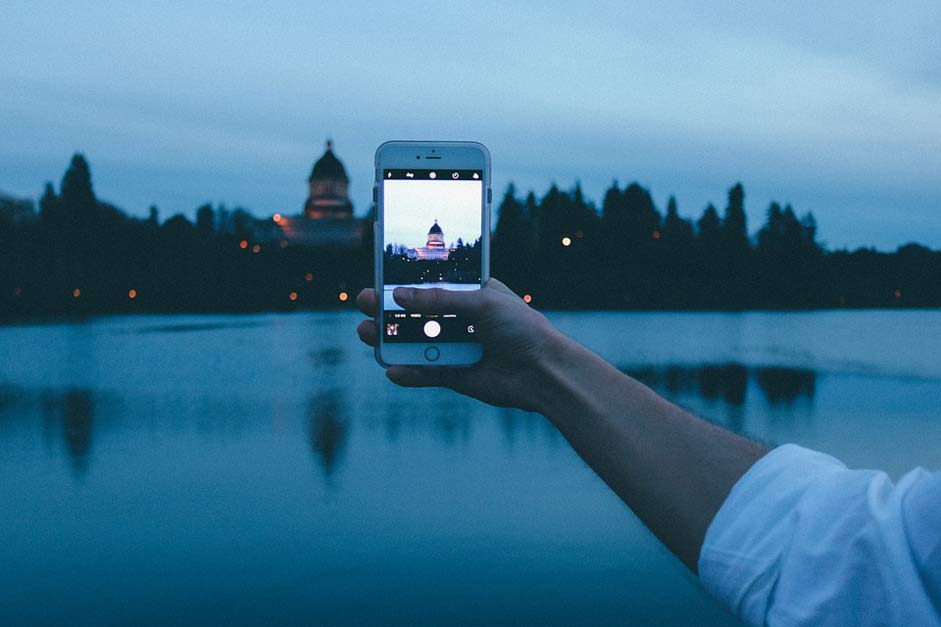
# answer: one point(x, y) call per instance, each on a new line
point(832, 107)
point(412, 207)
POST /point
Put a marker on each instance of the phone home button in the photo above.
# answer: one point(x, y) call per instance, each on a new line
point(432, 353)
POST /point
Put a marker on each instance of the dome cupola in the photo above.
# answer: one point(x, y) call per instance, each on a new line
point(328, 167)
point(435, 236)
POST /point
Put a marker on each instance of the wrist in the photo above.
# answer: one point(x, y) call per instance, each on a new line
point(559, 371)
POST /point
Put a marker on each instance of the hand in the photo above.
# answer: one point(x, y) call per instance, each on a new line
point(517, 340)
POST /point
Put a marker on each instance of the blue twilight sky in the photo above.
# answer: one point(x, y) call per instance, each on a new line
point(834, 107)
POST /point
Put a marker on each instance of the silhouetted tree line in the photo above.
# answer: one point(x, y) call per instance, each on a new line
point(77, 254)
point(461, 266)
point(566, 254)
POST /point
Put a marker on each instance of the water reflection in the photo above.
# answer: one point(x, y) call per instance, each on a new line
point(729, 382)
point(70, 416)
point(327, 357)
point(77, 428)
point(328, 429)
point(67, 414)
point(784, 385)
point(196, 326)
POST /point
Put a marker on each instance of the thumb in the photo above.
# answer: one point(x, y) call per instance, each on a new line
point(437, 300)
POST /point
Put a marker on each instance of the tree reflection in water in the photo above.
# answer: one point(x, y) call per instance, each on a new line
point(73, 409)
point(784, 385)
point(728, 382)
point(329, 429)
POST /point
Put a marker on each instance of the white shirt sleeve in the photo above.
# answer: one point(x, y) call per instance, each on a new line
point(802, 540)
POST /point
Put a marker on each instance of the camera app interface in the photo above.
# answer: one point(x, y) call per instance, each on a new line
point(431, 234)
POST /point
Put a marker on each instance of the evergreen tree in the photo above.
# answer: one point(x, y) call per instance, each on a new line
point(709, 276)
point(809, 224)
point(512, 224)
point(205, 220)
point(630, 225)
point(735, 262)
point(677, 259)
point(677, 231)
point(734, 225)
point(76, 194)
point(581, 221)
point(612, 208)
point(709, 228)
point(49, 205)
point(512, 248)
point(642, 216)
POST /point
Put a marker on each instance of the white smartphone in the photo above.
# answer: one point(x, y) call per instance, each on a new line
point(432, 230)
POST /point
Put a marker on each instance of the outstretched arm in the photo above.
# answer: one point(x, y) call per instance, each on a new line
point(671, 468)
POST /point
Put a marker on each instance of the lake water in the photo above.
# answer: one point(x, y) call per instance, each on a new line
point(261, 469)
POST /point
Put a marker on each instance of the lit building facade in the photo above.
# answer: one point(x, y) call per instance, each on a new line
point(327, 218)
point(434, 249)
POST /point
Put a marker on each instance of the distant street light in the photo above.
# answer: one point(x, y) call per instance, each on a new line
point(132, 294)
point(243, 244)
point(527, 298)
point(293, 296)
point(343, 297)
point(256, 248)
point(276, 217)
point(76, 293)
point(566, 241)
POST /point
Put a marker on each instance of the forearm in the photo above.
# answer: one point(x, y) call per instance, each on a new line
point(671, 468)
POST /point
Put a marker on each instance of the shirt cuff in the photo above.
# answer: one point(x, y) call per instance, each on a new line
point(739, 562)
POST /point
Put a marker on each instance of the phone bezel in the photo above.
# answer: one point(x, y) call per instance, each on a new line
point(456, 155)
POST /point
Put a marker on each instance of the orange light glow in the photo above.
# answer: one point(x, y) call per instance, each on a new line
point(527, 298)
point(898, 293)
point(276, 217)
point(292, 296)
point(566, 241)
point(256, 248)
point(655, 234)
point(76, 293)
point(132, 294)
point(343, 297)
point(243, 244)
point(309, 277)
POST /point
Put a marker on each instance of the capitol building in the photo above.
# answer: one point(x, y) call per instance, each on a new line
point(434, 249)
point(327, 218)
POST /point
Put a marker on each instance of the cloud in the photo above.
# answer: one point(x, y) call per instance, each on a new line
point(687, 98)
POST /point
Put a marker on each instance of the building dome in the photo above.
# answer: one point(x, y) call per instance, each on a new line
point(435, 237)
point(328, 166)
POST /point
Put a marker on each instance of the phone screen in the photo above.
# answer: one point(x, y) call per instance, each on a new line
point(431, 237)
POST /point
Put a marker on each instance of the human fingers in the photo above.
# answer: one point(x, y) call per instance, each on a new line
point(368, 332)
point(500, 286)
point(435, 300)
point(366, 301)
